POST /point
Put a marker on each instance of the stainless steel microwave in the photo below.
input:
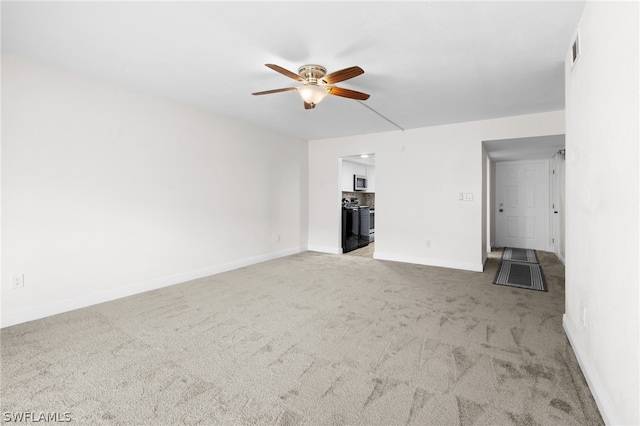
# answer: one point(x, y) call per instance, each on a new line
point(359, 183)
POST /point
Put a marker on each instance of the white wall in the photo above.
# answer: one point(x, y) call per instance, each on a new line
point(108, 192)
point(602, 190)
point(419, 174)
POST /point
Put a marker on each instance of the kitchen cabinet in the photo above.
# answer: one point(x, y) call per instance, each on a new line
point(348, 170)
point(371, 179)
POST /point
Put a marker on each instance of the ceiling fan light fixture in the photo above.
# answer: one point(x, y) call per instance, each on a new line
point(317, 83)
point(312, 94)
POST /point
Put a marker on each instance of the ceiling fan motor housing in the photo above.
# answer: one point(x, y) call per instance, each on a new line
point(312, 73)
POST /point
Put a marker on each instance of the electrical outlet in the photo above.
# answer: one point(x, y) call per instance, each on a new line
point(428, 243)
point(17, 281)
point(278, 238)
point(468, 196)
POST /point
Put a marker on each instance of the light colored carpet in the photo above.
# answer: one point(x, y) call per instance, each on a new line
point(313, 339)
point(366, 251)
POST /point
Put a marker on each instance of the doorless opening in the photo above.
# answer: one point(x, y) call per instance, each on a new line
point(531, 149)
point(357, 179)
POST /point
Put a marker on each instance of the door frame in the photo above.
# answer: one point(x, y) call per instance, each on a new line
point(555, 205)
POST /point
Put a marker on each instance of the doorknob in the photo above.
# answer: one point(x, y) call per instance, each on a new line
point(555, 211)
point(501, 210)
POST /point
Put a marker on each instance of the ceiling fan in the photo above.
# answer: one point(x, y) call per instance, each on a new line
point(316, 83)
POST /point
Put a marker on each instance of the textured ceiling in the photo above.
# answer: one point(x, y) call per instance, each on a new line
point(426, 63)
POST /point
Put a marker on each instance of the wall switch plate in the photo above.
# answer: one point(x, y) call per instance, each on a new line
point(468, 196)
point(17, 281)
point(461, 196)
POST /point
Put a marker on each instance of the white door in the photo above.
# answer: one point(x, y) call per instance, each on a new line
point(522, 204)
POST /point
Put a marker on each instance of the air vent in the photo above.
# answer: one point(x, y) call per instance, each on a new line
point(575, 50)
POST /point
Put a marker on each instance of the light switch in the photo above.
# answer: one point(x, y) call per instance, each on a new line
point(468, 196)
point(461, 196)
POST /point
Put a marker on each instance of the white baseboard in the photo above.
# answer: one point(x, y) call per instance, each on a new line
point(561, 259)
point(476, 267)
point(94, 299)
point(595, 385)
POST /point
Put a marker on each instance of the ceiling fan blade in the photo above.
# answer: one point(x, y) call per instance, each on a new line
point(307, 105)
point(347, 93)
point(342, 75)
point(266, 92)
point(285, 72)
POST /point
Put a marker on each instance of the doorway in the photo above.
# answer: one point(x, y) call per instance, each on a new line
point(358, 204)
point(529, 149)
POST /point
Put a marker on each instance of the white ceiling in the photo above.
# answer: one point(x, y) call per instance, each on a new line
point(367, 160)
point(426, 63)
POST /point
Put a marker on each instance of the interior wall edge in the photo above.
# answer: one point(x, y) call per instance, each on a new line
point(119, 293)
point(590, 374)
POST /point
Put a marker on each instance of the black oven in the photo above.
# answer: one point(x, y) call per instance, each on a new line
point(372, 225)
point(356, 226)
